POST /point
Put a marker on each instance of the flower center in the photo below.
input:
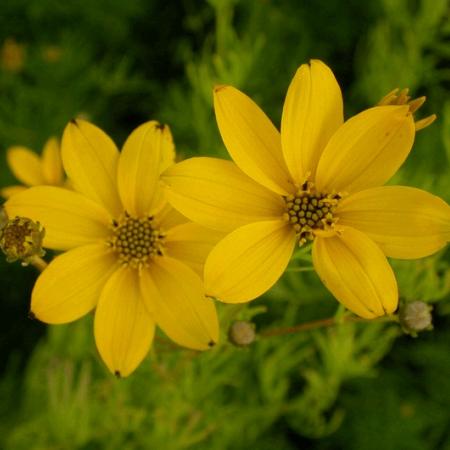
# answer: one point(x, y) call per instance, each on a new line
point(21, 238)
point(136, 240)
point(308, 211)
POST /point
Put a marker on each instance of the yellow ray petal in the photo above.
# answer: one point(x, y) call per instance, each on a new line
point(139, 168)
point(312, 112)
point(191, 243)
point(9, 191)
point(123, 328)
point(69, 218)
point(249, 261)
point(52, 169)
point(218, 195)
point(25, 165)
point(71, 284)
point(405, 222)
point(357, 273)
point(367, 150)
point(168, 217)
point(251, 139)
point(90, 159)
point(174, 294)
point(167, 148)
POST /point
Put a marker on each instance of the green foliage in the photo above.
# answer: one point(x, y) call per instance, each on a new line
point(182, 398)
point(333, 387)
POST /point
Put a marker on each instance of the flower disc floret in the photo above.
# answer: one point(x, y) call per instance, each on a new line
point(137, 240)
point(308, 211)
point(21, 238)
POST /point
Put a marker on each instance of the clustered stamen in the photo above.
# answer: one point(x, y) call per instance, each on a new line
point(136, 240)
point(308, 211)
point(21, 238)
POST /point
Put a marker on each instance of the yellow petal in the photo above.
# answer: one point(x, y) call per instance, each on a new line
point(52, 169)
point(174, 294)
point(405, 222)
point(312, 112)
point(9, 191)
point(357, 273)
point(167, 148)
point(123, 328)
point(251, 139)
point(249, 261)
point(139, 168)
point(191, 243)
point(25, 165)
point(218, 195)
point(69, 218)
point(71, 284)
point(168, 217)
point(90, 159)
point(367, 150)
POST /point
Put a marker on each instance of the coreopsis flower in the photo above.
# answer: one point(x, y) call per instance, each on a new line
point(320, 180)
point(32, 170)
point(127, 252)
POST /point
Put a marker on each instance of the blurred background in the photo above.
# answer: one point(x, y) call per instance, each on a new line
point(119, 64)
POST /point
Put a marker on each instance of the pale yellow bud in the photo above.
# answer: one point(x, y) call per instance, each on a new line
point(241, 333)
point(415, 316)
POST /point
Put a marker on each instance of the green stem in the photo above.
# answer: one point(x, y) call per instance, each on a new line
point(322, 323)
point(38, 262)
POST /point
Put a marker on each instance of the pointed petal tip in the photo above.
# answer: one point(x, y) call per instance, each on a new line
point(415, 104)
point(220, 87)
point(316, 62)
point(423, 123)
point(389, 97)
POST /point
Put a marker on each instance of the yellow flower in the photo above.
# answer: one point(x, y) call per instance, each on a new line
point(31, 170)
point(127, 252)
point(320, 180)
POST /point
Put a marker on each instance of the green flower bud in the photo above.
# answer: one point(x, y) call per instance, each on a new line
point(241, 333)
point(415, 316)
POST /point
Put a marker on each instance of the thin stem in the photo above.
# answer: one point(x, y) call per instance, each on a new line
point(322, 323)
point(39, 263)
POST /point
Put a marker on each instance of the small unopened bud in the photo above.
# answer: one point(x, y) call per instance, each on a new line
point(401, 97)
point(241, 333)
point(416, 316)
point(21, 239)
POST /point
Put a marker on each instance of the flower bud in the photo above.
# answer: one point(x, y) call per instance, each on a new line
point(401, 97)
point(21, 239)
point(241, 333)
point(415, 316)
